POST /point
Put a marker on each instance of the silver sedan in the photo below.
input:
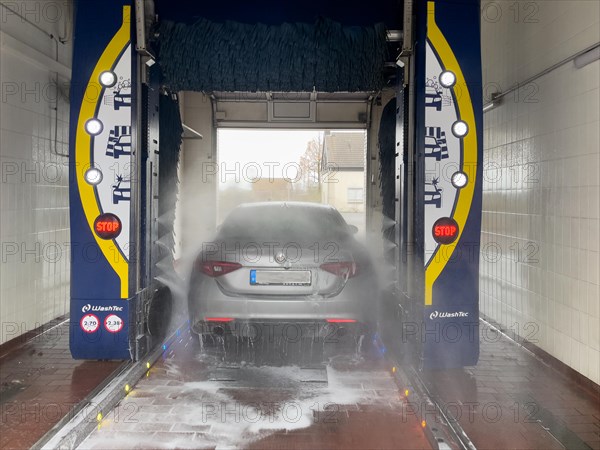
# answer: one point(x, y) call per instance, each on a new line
point(285, 268)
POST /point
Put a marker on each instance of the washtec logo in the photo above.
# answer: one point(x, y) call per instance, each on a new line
point(447, 315)
point(89, 307)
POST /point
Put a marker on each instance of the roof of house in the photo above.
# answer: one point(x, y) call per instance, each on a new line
point(345, 150)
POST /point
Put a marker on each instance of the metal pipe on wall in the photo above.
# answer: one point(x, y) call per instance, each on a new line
point(579, 63)
point(25, 19)
point(57, 65)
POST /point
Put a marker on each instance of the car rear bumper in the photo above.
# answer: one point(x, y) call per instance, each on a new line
point(283, 310)
point(313, 315)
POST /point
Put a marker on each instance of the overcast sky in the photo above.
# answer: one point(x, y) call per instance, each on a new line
point(275, 147)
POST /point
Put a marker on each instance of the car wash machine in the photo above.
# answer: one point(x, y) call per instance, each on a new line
point(129, 63)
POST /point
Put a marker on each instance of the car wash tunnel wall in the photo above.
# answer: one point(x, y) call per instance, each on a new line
point(125, 120)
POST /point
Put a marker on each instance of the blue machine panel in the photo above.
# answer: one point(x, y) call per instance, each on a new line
point(449, 130)
point(101, 138)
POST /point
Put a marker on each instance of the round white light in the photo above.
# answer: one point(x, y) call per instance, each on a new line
point(460, 129)
point(447, 79)
point(108, 79)
point(459, 179)
point(93, 176)
point(94, 127)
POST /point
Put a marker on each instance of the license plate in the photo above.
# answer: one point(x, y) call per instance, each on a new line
point(280, 277)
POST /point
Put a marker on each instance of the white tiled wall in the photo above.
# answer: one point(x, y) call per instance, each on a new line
point(197, 224)
point(34, 212)
point(540, 237)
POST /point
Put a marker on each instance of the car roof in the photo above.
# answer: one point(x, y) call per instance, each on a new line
point(275, 205)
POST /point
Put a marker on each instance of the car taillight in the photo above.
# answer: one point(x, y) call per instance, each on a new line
point(341, 269)
point(217, 268)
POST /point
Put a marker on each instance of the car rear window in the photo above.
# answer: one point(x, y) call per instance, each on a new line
point(283, 223)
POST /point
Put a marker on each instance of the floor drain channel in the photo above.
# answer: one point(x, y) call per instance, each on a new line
point(316, 375)
point(225, 374)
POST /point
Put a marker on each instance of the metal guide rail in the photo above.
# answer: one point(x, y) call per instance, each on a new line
point(70, 432)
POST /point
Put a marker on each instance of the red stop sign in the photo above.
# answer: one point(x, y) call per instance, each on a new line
point(107, 226)
point(445, 230)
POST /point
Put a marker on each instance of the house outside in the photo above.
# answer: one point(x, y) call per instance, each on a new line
point(343, 170)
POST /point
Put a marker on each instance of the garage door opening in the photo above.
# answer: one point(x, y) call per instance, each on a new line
point(315, 166)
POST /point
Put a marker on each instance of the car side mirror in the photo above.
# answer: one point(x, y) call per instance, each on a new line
point(353, 229)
